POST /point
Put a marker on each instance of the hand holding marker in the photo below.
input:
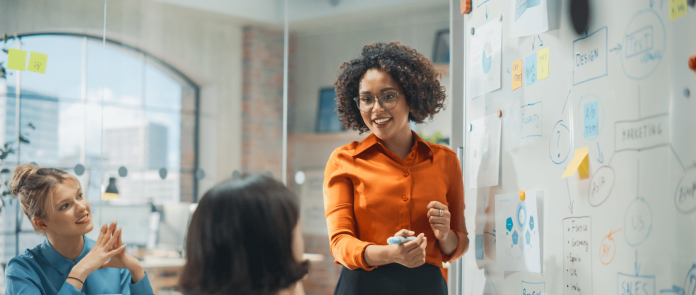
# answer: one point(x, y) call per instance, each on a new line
point(398, 240)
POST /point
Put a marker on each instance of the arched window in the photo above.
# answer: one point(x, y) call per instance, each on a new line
point(107, 107)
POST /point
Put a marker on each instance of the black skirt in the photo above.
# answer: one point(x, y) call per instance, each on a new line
point(392, 279)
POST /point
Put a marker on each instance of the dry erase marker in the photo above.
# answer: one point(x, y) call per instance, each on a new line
point(398, 240)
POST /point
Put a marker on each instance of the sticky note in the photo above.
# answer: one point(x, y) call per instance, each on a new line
point(530, 69)
point(543, 64)
point(677, 9)
point(591, 119)
point(17, 59)
point(37, 62)
point(517, 74)
point(580, 162)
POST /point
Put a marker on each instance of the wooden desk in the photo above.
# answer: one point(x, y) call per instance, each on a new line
point(163, 272)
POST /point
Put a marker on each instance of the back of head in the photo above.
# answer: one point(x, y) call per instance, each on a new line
point(34, 186)
point(240, 239)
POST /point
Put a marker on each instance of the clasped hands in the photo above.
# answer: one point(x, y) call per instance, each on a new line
point(108, 251)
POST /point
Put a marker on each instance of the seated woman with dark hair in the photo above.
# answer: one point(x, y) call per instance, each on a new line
point(245, 238)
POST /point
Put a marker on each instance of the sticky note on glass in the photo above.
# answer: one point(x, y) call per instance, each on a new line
point(530, 69)
point(591, 119)
point(677, 9)
point(37, 62)
point(517, 74)
point(580, 163)
point(17, 59)
point(543, 64)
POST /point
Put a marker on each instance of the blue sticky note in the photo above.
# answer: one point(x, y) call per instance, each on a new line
point(591, 119)
point(479, 247)
point(530, 69)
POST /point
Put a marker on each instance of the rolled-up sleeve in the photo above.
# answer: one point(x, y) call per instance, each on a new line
point(346, 248)
point(455, 198)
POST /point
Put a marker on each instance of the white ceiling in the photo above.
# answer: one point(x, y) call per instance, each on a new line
point(302, 11)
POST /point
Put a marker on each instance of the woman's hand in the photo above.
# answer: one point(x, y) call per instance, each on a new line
point(439, 224)
point(123, 260)
point(100, 253)
point(411, 254)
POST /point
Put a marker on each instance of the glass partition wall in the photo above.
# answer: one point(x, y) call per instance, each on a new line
point(324, 35)
point(148, 103)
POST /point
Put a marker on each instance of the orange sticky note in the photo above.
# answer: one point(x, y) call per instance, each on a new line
point(37, 62)
point(543, 64)
point(517, 74)
point(580, 162)
point(17, 59)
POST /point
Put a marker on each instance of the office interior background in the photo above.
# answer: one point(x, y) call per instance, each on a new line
point(150, 103)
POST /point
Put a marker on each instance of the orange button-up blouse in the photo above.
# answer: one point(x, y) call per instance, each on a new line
point(370, 194)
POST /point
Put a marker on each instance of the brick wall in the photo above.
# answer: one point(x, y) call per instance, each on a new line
point(262, 128)
point(262, 100)
point(323, 275)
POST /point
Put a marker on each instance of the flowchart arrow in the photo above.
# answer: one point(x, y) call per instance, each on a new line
point(486, 11)
point(617, 48)
point(601, 156)
point(636, 264)
point(541, 43)
point(675, 290)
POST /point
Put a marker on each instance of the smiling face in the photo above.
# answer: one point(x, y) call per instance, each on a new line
point(385, 124)
point(68, 212)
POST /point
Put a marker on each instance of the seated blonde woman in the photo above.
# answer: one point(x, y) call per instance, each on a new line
point(68, 262)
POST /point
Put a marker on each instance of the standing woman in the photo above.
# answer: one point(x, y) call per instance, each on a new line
point(392, 183)
point(68, 262)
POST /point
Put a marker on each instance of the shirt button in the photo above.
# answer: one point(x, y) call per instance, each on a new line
point(405, 198)
point(405, 174)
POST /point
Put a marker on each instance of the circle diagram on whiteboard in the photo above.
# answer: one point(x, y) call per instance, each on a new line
point(644, 42)
point(487, 57)
point(521, 216)
point(638, 222)
point(559, 144)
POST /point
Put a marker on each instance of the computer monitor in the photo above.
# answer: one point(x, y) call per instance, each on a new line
point(173, 225)
point(133, 219)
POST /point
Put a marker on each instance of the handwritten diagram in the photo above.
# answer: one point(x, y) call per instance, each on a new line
point(607, 248)
point(518, 249)
point(644, 45)
point(590, 58)
point(577, 257)
point(559, 145)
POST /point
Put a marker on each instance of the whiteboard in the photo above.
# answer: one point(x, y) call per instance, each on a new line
point(637, 208)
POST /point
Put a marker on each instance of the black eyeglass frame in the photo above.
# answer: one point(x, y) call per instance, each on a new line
point(379, 100)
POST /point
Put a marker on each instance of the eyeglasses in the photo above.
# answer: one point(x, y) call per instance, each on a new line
point(387, 100)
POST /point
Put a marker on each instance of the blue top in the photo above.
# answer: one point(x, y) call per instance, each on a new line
point(43, 270)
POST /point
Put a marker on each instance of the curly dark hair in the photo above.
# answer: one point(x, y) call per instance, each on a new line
point(415, 74)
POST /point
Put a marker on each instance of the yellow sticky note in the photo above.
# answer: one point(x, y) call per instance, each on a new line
point(37, 62)
point(17, 59)
point(517, 74)
point(677, 9)
point(543, 64)
point(580, 163)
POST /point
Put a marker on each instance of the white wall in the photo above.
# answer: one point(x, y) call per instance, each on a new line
point(204, 46)
point(321, 48)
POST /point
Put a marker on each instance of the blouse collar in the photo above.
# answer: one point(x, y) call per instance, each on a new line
point(60, 263)
point(373, 140)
